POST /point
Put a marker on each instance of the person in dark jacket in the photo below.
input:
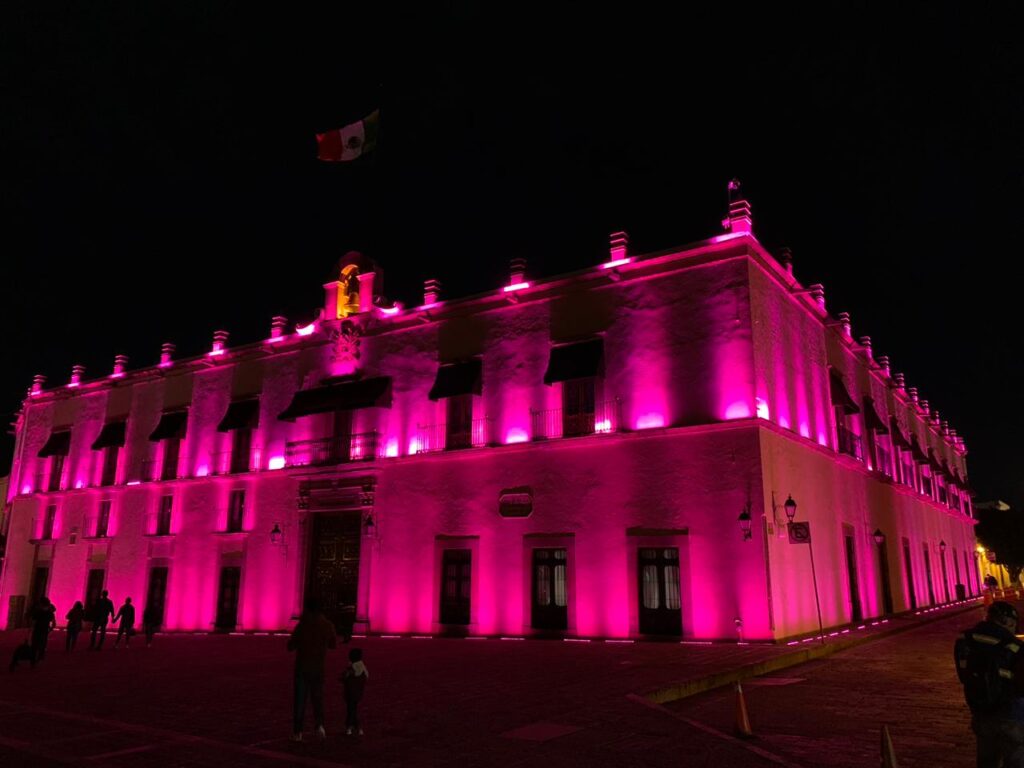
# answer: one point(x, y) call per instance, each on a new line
point(125, 615)
point(44, 620)
point(101, 615)
point(990, 665)
point(150, 623)
point(74, 618)
point(354, 681)
point(313, 635)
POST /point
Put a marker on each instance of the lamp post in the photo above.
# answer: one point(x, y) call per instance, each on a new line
point(800, 533)
point(744, 520)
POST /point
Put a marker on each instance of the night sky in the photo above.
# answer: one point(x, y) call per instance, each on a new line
point(159, 178)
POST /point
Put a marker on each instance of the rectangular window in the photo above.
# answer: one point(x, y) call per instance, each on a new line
point(172, 450)
point(456, 571)
point(908, 572)
point(578, 406)
point(926, 482)
point(56, 472)
point(459, 422)
point(849, 441)
point(93, 588)
point(883, 459)
point(942, 491)
point(102, 519)
point(909, 470)
point(236, 511)
point(241, 446)
point(109, 474)
point(48, 521)
point(660, 596)
point(163, 516)
point(550, 593)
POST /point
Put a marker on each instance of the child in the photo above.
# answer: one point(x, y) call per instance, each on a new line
point(354, 680)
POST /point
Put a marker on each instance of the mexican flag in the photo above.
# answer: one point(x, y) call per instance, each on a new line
point(349, 143)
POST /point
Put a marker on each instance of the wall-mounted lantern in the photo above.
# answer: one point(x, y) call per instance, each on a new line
point(878, 536)
point(276, 535)
point(744, 520)
point(790, 507)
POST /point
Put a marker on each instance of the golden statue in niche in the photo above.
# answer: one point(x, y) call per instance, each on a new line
point(348, 291)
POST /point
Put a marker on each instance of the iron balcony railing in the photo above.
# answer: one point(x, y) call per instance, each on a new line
point(228, 463)
point(557, 422)
point(437, 437)
point(849, 442)
point(332, 450)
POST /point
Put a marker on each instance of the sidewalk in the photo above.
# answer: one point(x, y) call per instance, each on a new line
point(225, 700)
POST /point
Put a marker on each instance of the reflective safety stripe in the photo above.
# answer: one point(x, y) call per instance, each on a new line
point(987, 639)
point(1005, 673)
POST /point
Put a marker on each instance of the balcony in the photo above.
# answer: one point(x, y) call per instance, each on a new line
point(228, 463)
point(557, 422)
point(436, 437)
point(849, 442)
point(332, 450)
point(883, 460)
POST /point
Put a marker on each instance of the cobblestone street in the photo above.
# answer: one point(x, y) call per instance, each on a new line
point(219, 700)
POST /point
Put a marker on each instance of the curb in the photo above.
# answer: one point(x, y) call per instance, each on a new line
point(720, 679)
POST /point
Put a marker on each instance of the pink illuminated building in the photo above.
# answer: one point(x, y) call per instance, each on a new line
point(606, 453)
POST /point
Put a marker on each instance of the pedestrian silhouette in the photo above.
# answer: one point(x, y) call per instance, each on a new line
point(44, 620)
point(150, 623)
point(354, 681)
point(312, 636)
point(126, 617)
point(74, 618)
point(101, 615)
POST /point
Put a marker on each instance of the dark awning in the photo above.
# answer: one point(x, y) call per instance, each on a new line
point(898, 438)
point(915, 448)
point(457, 379)
point(111, 435)
point(347, 396)
point(871, 417)
point(575, 361)
point(58, 445)
point(242, 414)
point(172, 424)
point(840, 395)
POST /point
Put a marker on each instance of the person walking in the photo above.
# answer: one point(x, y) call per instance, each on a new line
point(126, 627)
point(74, 625)
point(102, 613)
point(44, 621)
point(353, 680)
point(312, 637)
point(150, 623)
point(990, 666)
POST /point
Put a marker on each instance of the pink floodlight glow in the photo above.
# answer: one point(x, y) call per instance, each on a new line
point(762, 409)
point(516, 435)
point(26, 489)
point(134, 482)
point(166, 363)
point(274, 339)
point(728, 236)
point(202, 470)
point(516, 287)
point(79, 485)
point(617, 263)
point(276, 462)
point(415, 446)
point(117, 375)
point(391, 449)
point(215, 352)
point(390, 311)
point(738, 410)
point(650, 421)
point(306, 330)
point(72, 384)
point(603, 426)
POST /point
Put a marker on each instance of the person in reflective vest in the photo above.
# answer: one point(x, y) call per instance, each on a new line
point(990, 665)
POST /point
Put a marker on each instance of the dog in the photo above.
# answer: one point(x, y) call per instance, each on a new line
point(22, 653)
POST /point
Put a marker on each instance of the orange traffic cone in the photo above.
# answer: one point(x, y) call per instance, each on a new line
point(743, 728)
point(888, 754)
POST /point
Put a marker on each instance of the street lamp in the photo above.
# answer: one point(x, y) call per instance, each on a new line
point(942, 546)
point(276, 535)
point(744, 520)
point(878, 536)
point(790, 507)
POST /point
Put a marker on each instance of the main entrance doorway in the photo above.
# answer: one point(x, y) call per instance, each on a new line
point(333, 576)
